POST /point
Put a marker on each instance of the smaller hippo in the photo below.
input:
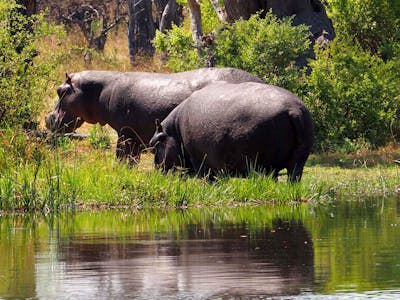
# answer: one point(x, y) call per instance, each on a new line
point(232, 128)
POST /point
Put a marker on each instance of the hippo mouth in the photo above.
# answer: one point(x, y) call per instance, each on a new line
point(55, 123)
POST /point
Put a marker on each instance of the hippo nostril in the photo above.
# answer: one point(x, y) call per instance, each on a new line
point(50, 121)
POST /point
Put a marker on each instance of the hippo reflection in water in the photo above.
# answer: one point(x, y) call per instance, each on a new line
point(130, 102)
point(229, 261)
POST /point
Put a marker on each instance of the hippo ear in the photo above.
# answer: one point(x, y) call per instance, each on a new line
point(158, 126)
point(69, 79)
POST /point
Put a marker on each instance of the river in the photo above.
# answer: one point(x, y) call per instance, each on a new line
point(342, 250)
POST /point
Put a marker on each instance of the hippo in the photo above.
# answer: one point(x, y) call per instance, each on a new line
point(235, 128)
point(129, 102)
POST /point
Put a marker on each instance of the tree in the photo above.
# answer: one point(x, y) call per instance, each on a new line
point(29, 5)
point(195, 23)
point(307, 12)
point(168, 12)
point(141, 29)
point(87, 17)
point(372, 24)
point(94, 18)
point(353, 96)
point(24, 72)
point(141, 25)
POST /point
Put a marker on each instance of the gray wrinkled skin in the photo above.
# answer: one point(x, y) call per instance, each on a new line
point(129, 102)
point(232, 128)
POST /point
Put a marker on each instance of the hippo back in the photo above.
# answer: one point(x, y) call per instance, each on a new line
point(226, 126)
point(137, 99)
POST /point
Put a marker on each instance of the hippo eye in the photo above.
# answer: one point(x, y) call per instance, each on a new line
point(65, 89)
point(61, 92)
point(161, 137)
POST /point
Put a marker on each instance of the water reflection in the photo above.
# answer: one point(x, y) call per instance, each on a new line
point(204, 253)
point(221, 260)
point(357, 246)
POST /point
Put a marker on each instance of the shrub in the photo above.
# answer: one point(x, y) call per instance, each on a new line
point(24, 73)
point(177, 43)
point(353, 96)
point(373, 24)
point(99, 138)
point(266, 47)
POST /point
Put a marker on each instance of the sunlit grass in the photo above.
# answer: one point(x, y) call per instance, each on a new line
point(37, 176)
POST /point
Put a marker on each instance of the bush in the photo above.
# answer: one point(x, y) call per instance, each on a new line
point(24, 73)
point(177, 44)
point(373, 24)
point(98, 137)
point(353, 96)
point(266, 47)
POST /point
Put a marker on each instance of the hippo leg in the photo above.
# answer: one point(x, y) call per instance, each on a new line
point(128, 148)
point(295, 165)
point(296, 171)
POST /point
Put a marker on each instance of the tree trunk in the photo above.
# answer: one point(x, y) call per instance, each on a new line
point(117, 13)
point(221, 13)
point(195, 24)
point(30, 5)
point(168, 15)
point(236, 9)
point(168, 12)
point(141, 29)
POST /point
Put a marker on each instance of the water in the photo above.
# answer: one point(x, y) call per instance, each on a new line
point(347, 250)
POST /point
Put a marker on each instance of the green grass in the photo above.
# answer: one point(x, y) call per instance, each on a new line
point(36, 176)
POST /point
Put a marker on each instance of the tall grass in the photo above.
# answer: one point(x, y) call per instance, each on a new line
point(30, 174)
point(68, 175)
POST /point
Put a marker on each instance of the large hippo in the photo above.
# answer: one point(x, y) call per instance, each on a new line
point(235, 127)
point(129, 102)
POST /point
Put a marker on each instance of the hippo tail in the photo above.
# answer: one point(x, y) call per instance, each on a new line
point(304, 133)
point(303, 127)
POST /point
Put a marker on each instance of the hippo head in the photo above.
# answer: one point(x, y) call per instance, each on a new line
point(165, 149)
point(66, 116)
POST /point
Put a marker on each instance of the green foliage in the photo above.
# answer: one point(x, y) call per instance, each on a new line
point(266, 47)
point(24, 73)
point(373, 24)
point(353, 96)
point(209, 20)
point(353, 88)
point(177, 43)
point(99, 138)
point(24, 167)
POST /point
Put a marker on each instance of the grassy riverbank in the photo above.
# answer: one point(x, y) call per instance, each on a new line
point(35, 176)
